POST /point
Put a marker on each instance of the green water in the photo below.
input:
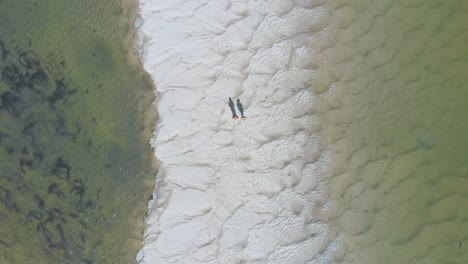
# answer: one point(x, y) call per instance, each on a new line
point(400, 175)
point(72, 157)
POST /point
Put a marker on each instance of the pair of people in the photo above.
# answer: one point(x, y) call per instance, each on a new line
point(239, 107)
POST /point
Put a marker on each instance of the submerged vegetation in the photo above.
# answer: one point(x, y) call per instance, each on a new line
point(72, 156)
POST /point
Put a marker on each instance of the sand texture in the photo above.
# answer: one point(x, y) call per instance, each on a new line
point(351, 152)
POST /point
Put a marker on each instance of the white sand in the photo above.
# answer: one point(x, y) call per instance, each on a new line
point(246, 190)
point(341, 160)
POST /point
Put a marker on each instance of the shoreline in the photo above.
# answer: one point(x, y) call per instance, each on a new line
point(350, 175)
point(150, 116)
point(89, 117)
point(228, 193)
point(150, 113)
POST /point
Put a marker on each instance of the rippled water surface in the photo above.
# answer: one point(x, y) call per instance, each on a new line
point(72, 157)
point(398, 185)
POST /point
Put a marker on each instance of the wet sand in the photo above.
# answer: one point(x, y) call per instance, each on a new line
point(354, 149)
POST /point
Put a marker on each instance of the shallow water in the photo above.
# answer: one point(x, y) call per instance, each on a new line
point(398, 185)
point(355, 146)
point(72, 156)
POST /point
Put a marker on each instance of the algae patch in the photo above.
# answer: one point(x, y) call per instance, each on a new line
point(72, 159)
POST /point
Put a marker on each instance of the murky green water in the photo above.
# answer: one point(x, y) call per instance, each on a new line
point(72, 157)
point(398, 188)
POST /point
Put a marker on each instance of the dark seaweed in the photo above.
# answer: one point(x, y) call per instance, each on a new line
point(61, 170)
point(11, 103)
point(26, 85)
point(3, 51)
point(61, 91)
point(13, 77)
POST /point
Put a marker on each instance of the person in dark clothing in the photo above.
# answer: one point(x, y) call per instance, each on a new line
point(233, 110)
point(241, 109)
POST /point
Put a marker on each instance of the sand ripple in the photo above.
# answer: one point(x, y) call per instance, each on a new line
point(341, 160)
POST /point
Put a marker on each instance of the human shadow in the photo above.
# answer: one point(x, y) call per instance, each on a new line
point(241, 108)
point(233, 110)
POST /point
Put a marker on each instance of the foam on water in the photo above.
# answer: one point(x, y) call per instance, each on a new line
point(343, 157)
